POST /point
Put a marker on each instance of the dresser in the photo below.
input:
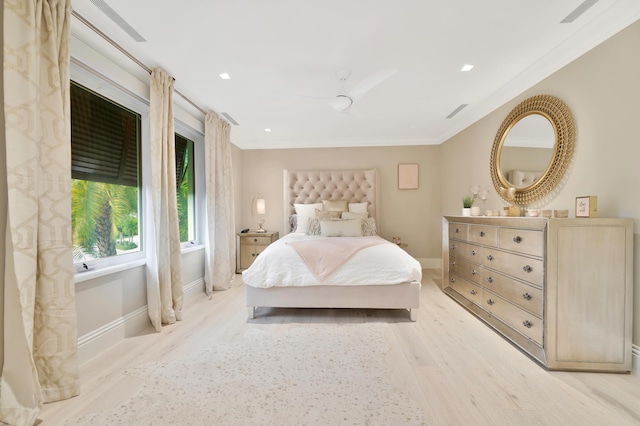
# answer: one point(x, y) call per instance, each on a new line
point(249, 245)
point(560, 289)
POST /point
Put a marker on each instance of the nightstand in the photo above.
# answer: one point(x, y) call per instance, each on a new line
point(249, 245)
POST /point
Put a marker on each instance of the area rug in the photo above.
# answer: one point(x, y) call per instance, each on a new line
point(309, 375)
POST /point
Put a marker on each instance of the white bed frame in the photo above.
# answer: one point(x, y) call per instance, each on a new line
point(355, 186)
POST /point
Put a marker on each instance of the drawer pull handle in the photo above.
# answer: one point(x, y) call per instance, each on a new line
point(453, 247)
point(473, 252)
point(473, 272)
point(482, 234)
point(490, 302)
point(489, 280)
point(457, 231)
point(473, 292)
point(255, 240)
point(517, 239)
point(253, 255)
point(527, 323)
point(453, 280)
point(527, 268)
point(453, 263)
point(490, 258)
point(526, 296)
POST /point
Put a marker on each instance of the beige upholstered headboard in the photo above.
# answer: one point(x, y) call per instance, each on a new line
point(307, 187)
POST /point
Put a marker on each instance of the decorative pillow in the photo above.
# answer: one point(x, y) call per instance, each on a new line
point(351, 215)
point(314, 227)
point(305, 212)
point(341, 228)
point(369, 227)
point(359, 207)
point(327, 214)
point(335, 205)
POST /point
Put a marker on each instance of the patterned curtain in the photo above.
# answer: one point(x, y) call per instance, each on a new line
point(40, 331)
point(165, 293)
point(220, 239)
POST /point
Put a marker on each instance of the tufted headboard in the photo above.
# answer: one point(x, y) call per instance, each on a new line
point(307, 187)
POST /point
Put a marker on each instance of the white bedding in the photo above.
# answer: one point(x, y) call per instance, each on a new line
point(279, 265)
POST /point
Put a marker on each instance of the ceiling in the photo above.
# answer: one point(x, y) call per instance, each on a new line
point(279, 52)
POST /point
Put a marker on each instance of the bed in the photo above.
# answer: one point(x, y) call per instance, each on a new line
point(376, 274)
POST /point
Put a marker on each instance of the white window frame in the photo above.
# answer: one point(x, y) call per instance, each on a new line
point(96, 82)
point(200, 195)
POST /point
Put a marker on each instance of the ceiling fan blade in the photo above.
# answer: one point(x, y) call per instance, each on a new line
point(340, 103)
point(370, 82)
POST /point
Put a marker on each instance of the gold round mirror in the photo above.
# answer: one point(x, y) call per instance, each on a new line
point(533, 148)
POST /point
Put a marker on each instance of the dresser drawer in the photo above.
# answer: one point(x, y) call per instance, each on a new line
point(524, 268)
point(254, 240)
point(466, 288)
point(465, 251)
point(522, 240)
point(518, 293)
point(458, 231)
point(465, 269)
point(520, 320)
point(483, 234)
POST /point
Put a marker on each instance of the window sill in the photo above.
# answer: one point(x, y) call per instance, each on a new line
point(108, 270)
point(101, 272)
point(191, 248)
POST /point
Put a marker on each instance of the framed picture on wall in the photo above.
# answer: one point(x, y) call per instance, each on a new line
point(407, 176)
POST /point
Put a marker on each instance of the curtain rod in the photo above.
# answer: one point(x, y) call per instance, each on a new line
point(129, 55)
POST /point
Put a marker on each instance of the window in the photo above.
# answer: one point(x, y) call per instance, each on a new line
point(105, 146)
point(185, 187)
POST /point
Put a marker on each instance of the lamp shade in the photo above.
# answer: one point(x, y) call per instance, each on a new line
point(261, 206)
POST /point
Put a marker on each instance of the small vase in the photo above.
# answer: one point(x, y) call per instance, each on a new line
point(475, 211)
point(466, 211)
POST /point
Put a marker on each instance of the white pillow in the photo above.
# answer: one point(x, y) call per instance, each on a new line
point(359, 207)
point(341, 228)
point(305, 212)
point(352, 215)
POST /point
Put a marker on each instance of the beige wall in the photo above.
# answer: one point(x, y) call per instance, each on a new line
point(602, 89)
point(413, 215)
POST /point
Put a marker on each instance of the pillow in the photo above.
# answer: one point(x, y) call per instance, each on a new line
point(314, 227)
point(351, 215)
point(305, 212)
point(323, 214)
point(335, 205)
point(369, 227)
point(359, 207)
point(341, 228)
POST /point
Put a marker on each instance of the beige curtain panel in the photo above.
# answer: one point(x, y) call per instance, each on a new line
point(220, 234)
point(165, 291)
point(40, 362)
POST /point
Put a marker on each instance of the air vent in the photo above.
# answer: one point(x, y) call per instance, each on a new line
point(231, 120)
point(578, 11)
point(457, 110)
point(118, 20)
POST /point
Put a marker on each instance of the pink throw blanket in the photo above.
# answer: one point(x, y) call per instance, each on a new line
point(323, 257)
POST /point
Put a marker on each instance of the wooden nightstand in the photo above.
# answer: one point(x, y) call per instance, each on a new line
point(249, 245)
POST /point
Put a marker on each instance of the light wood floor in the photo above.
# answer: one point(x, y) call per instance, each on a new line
point(460, 371)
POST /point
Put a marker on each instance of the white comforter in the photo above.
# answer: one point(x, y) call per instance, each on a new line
point(280, 265)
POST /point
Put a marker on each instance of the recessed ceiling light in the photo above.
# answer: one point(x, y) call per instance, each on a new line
point(466, 67)
point(267, 130)
point(225, 76)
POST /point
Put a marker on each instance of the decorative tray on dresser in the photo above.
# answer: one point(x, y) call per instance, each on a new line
point(560, 289)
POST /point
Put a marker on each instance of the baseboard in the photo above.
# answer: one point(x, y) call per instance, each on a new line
point(635, 360)
point(94, 343)
point(194, 288)
point(428, 263)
